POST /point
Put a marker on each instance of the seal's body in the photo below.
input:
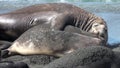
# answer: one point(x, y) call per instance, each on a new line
point(42, 40)
point(58, 15)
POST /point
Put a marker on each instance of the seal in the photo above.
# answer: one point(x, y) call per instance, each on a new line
point(42, 40)
point(58, 15)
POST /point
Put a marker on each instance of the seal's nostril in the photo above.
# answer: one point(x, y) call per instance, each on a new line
point(95, 25)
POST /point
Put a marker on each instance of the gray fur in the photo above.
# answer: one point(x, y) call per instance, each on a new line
point(53, 41)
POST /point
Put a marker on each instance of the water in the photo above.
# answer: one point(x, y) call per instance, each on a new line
point(107, 9)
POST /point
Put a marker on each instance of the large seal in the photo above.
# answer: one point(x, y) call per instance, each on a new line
point(58, 15)
point(42, 40)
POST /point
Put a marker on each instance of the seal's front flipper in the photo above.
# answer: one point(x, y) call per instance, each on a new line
point(6, 53)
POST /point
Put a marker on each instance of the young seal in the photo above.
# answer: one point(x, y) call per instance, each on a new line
point(58, 15)
point(43, 40)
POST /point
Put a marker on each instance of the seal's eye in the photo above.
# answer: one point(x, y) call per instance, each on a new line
point(95, 25)
point(32, 22)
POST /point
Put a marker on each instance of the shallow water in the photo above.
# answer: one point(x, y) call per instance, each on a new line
point(107, 9)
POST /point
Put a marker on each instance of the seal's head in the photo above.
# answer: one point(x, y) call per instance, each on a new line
point(99, 27)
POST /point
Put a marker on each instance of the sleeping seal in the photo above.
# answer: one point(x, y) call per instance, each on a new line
point(43, 40)
point(58, 15)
